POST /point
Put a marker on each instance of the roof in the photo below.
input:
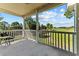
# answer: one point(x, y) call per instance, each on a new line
point(25, 9)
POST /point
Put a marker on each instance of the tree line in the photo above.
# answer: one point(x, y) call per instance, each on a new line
point(30, 23)
point(6, 26)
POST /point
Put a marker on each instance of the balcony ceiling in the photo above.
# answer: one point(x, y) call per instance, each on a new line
point(25, 9)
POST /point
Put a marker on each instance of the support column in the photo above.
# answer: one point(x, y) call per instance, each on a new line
point(77, 26)
point(23, 29)
point(37, 26)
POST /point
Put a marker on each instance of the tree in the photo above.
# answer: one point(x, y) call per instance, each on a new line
point(5, 25)
point(16, 25)
point(1, 23)
point(49, 26)
point(30, 23)
point(68, 14)
point(43, 27)
point(1, 26)
point(1, 18)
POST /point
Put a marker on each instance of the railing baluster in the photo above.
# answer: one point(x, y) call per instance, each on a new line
point(55, 40)
point(73, 42)
point(7, 32)
point(48, 37)
point(44, 35)
point(58, 40)
point(45, 38)
point(68, 42)
point(14, 33)
point(10, 33)
point(61, 40)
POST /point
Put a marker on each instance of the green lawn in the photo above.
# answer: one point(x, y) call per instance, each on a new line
point(65, 29)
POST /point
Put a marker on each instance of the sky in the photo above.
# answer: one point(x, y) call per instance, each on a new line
point(11, 18)
point(54, 16)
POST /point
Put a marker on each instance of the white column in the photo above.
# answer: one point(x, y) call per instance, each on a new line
point(37, 26)
point(23, 30)
point(77, 26)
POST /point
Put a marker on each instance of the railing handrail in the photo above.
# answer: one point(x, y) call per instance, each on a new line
point(11, 30)
point(42, 30)
point(58, 31)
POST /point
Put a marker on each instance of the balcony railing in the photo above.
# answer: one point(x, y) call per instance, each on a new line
point(17, 34)
point(61, 40)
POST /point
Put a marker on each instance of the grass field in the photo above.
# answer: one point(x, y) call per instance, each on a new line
point(53, 41)
point(71, 29)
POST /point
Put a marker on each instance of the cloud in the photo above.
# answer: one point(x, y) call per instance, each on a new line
point(47, 15)
point(61, 15)
point(44, 20)
point(62, 10)
point(33, 16)
point(50, 13)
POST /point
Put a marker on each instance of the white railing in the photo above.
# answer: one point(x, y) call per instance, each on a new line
point(62, 40)
point(17, 34)
point(21, 34)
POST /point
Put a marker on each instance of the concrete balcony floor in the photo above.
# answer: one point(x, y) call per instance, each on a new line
point(31, 48)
